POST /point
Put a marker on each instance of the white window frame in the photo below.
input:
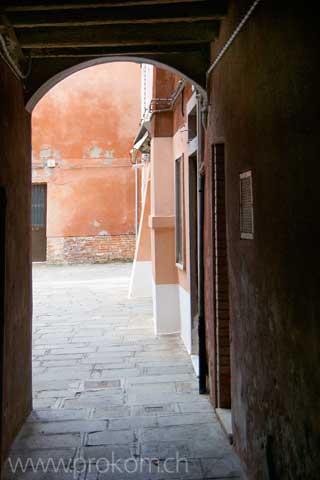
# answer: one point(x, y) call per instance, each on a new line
point(179, 215)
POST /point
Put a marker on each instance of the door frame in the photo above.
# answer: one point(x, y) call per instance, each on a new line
point(221, 304)
point(193, 249)
point(3, 203)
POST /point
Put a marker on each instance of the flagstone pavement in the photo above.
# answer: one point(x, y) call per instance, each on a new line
point(111, 400)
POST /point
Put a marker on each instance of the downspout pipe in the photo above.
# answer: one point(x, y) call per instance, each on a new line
point(136, 172)
point(135, 165)
point(200, 260)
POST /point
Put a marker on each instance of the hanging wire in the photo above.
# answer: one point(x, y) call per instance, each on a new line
point(231, 39)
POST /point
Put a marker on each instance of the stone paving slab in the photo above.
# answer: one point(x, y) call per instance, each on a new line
point(107, 392)
point(94, 453)
point(66, 426)
point(31, 442)
point(58, 414)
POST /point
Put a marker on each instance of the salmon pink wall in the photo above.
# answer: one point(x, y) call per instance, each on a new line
point(87, 124)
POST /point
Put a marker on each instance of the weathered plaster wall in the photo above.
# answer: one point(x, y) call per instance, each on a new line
point(15, 177)
point(180, 148)
point(87, 124)
point(169, 142)
point(89, 201)
point(143, 253)
point(265, 107)
point(141, 274)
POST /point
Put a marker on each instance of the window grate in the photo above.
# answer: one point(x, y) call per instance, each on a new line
point(246, 206)
point(39, 194)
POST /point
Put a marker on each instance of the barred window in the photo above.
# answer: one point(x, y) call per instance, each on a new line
point(39, 195)
point(246, 206)
point(179, 212)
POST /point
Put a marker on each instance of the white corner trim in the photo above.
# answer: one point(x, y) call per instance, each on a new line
point(192, 102)
point(195, 364)
point(193, 146)
point(185, 318)
point(166, 308)
point(141, 280)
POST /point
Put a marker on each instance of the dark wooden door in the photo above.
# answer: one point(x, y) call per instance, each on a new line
point(221, 281)
point(39, 222)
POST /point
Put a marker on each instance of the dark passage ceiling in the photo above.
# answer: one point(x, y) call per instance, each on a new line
point(59, 34)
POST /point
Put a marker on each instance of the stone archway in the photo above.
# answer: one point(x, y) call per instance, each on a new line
point(55, 79)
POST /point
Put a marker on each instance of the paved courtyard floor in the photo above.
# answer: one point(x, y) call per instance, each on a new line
point(111, 400)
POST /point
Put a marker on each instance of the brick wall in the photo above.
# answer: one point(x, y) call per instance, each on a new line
point(93, 249)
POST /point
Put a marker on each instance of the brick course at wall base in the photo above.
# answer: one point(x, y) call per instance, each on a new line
point(93, 249)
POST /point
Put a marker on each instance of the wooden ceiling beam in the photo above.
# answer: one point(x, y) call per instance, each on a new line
point(139, 51)
point(193, 65)
point(114, 35)
point(204, 11)
point(31, 5)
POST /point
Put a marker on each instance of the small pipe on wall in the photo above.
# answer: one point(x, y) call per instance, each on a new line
point(200, 228)
point(136, 171)
point(136, 166)
point(170, 101)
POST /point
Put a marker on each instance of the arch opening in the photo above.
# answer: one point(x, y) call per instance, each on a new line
point(54, 80)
